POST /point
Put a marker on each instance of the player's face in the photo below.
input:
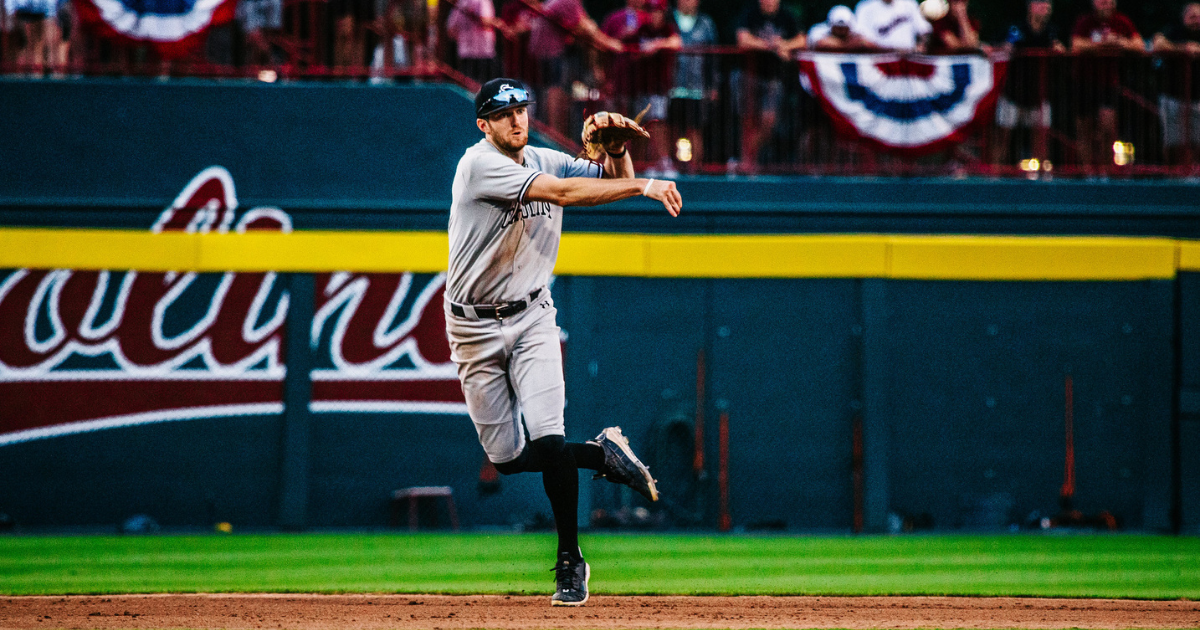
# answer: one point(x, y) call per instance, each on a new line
point(1104, 7)
point(508, 129)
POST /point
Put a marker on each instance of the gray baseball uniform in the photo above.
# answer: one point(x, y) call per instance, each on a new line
point(503, 250)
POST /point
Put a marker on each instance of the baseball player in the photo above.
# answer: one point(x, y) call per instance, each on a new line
point(505, 224)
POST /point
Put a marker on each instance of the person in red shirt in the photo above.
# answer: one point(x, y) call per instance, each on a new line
point(520, 18)
point(642, 75)
point(955, 31)
point(623, 23)
point(1097, 37)
point(658, 40)
point(552, 39)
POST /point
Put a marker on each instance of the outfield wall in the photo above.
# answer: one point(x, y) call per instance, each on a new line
point(813, 314)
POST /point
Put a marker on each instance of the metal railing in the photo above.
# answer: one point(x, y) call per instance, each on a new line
point(714, 110)
point(1057, 115)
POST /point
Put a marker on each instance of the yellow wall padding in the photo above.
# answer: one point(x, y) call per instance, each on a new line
point(934, 257)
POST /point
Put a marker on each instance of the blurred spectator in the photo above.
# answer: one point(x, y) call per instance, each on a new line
point(1025, 101)
point(1102, 32)
point(401, 28)
point(518, 18)
point(772, 33)
point(552, 32)
point(67, 34)
point(1182, 37)
point(473, 25)
point(837, 32)
point(694, 87)
point(349, 46)
point(624, 26)
point(892, 24)
point(624, 23)
point(954, 32)
point(258, 19)
point(654, 64)
point(245, 39)
point(1178, 105)
point(38, 38)
point(641, 77)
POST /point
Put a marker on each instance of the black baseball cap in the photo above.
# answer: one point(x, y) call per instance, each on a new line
point(500, 94)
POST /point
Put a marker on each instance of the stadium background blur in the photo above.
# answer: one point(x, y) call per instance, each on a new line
point(811, 354)
point(994, 15)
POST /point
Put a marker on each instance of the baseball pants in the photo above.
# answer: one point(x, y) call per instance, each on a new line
point(510, 368)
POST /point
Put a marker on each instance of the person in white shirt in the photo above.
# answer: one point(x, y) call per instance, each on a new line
point(838, 32)
point(892, 24)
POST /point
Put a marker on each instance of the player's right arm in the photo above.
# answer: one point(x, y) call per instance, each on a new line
point(587, 191)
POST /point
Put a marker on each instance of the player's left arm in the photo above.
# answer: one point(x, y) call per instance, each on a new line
point(617, 162)
point(620, 167)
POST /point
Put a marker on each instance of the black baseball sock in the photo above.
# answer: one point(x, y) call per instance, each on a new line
point(560, 478)
point(540, 453)
point(587, 455)
point(559, 462)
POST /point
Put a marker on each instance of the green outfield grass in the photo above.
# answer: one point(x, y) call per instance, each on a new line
point(1041, 565)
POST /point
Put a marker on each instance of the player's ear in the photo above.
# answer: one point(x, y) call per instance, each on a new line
point(482, 123)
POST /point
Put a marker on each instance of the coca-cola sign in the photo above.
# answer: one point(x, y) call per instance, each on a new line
point(88, 350)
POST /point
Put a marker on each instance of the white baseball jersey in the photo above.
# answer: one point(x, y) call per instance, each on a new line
point(896, 24)
point(501, 247)
point(819, 31)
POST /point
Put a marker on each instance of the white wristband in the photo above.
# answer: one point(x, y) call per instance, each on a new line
point(647, 188)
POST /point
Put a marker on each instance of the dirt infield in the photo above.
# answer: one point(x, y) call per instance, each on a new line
point(360, 612)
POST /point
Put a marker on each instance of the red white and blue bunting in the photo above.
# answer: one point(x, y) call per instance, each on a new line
point(904, 103)
point(174, 28)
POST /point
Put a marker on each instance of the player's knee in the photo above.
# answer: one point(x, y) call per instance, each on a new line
point(549, 448)
point(518, 465)
point(537, 456)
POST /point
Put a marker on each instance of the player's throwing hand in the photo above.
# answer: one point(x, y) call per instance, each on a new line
point(666, 192)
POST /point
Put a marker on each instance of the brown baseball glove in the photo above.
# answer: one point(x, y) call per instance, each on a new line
point(604, 131)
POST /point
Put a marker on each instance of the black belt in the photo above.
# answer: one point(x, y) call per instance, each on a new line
point(497, 311)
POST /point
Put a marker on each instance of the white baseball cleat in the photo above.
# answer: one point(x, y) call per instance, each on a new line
point(622, 466)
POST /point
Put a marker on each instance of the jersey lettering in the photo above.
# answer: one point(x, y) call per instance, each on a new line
point(898, 21)
point(526, 211)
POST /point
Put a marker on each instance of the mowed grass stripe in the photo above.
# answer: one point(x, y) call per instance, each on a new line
point(1041, 565)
